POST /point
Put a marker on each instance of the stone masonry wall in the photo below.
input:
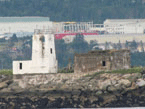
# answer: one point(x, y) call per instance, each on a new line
point(102, 60)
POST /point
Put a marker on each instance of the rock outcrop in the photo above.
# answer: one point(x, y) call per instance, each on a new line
point(108, 82)
point(71, 91)
point(63, 99)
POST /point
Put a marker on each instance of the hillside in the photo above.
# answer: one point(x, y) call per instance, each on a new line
point(74, 10)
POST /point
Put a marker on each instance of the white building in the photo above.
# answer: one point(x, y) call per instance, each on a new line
point(22, 24)
point(124, 26)
point(43, 55)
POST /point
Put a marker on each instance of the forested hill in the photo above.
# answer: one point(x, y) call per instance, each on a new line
point(74, 10)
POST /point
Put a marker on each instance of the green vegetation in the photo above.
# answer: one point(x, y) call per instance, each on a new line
point(138, 59)
point(66, 70)
point(15, 49)
point(124, 71)
point(6, 72)
point(121, 71)
point(65, 52)
point(74, 10)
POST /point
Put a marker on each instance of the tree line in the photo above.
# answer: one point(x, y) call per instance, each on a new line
point(75, 10)
point(64, 51)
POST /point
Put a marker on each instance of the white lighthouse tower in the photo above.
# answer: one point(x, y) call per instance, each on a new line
point(43, 55)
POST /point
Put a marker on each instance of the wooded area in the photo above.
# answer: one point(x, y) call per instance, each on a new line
point(74, 10)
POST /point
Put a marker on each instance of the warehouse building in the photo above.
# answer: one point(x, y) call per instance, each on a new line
point(125, 26)
point(10, 25)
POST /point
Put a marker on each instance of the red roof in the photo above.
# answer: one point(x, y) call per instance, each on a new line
point(61, 35)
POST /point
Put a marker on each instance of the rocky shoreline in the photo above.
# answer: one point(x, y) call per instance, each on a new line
point(88, 91)
point(65, 99)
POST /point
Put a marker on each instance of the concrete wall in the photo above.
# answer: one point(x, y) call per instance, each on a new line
point(25, 67)
point(93, 61)
point(28, 67)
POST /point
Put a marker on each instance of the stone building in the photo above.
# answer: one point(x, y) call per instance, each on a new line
point(104, 60)
point(43, 55)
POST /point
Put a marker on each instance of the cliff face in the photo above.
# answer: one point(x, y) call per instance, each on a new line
point(73, 90)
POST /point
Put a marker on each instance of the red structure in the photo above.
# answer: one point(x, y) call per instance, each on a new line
point(61, 35)
point(63, 29)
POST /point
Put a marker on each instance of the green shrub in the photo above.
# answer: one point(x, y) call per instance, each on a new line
point(6, 72)
point(131, 70)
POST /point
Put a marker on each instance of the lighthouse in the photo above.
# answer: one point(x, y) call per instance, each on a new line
point(43, 55)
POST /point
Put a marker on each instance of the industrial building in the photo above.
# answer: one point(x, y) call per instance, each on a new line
point(124, 26)
point(12, 25)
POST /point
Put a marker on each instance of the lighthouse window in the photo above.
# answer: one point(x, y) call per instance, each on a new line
point(42, 39)
point(51, 50)
point(20, 66)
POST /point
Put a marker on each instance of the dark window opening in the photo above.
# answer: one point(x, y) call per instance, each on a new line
point(103, 63)
point(51, 50)
point(20, 66)
point(42, 39)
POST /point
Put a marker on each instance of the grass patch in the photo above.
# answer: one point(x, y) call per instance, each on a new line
point(6, 72)
point(121, 71)
point(124, 71)
point(65, 71)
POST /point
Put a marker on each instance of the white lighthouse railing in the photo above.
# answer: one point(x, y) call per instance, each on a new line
point(43, 31)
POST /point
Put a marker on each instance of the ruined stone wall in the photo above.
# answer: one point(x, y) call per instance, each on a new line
point(120, 60)
point(102, 60)
point(90, 63)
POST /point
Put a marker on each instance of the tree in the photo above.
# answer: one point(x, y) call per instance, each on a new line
point(119, 46)
point(27, 49)
point(74, 9)
point(11, 44)
point(79, 45)
point(106, 46)
point(61, 53)
point(126, 44)
point(93, 43)
point(134, 44)
point(14, 38)
point(2, 40)
point(142, 47)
